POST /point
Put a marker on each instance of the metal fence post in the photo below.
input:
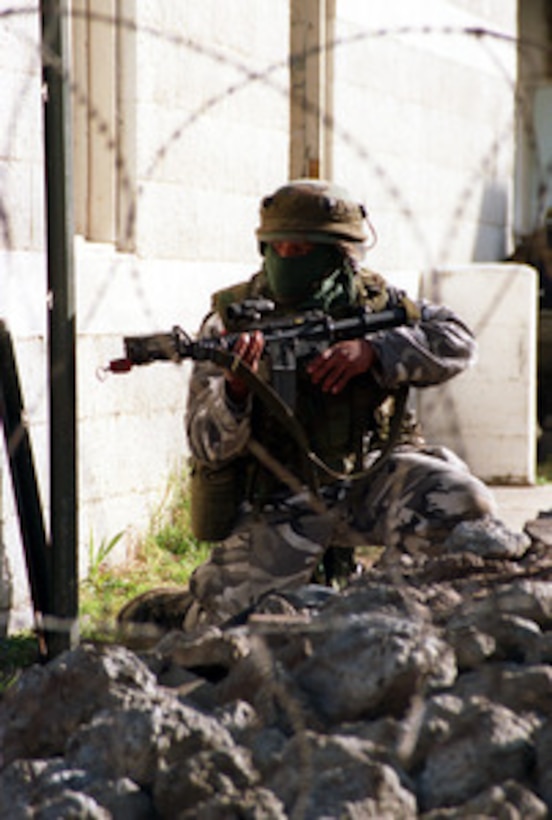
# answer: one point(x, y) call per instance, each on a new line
point(63, 631)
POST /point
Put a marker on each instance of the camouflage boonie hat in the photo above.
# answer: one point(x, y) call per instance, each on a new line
point(312, 210)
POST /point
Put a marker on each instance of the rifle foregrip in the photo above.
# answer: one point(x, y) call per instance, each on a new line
point(158, 347)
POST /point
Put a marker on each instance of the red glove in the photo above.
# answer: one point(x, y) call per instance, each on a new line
point(337, 365)
point(249, 347)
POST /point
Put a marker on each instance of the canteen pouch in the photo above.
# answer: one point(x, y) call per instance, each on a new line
point(216, 494)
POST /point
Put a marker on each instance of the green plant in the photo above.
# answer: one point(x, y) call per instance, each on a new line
point(97, 557)
point(166, 556)
point(16, 653)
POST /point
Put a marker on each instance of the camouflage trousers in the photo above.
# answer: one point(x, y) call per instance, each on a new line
point(412, 502)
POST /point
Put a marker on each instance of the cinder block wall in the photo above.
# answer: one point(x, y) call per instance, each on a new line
point(211, 131)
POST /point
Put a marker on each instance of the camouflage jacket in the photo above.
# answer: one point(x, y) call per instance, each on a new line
point(428, 353)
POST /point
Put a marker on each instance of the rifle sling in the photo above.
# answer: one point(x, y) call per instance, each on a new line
point(284, 414)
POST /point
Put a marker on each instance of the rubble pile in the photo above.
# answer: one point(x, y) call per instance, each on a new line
point(424, 689)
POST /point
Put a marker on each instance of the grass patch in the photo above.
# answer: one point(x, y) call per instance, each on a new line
point(166, 557)
point(16, 653)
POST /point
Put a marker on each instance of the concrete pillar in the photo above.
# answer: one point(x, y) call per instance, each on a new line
point(310, 101)
point(102, 111)
point(79, 60)
point(126, 125)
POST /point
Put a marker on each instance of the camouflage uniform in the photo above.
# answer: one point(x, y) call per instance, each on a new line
point(412, 501)
point(273, 535)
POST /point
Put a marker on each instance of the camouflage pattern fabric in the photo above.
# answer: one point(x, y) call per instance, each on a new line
point(413, 502)
point(415, 499)
point(275, 551)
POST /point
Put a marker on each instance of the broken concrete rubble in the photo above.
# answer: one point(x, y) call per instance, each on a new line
point(424, 689)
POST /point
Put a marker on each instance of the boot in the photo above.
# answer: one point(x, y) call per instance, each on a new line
point(146, 618)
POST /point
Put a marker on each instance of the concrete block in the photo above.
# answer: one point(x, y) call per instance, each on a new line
point(488, 414)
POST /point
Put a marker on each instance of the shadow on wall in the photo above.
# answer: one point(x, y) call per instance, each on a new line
point(491, 240)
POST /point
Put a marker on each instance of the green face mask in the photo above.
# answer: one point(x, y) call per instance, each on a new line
point(293, 280)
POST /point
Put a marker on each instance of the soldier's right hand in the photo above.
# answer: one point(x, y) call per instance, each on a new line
point(249, 347)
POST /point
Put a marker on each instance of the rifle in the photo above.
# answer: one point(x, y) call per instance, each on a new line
point(288, 340)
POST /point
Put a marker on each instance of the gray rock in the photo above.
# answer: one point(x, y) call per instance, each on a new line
point(422, 690)
point(71, 805)
point(543, 647)
point(471, 644)
point(508, 801)
point(530, 599)
point(187, 779)
point(522, 598)
point(489, 538)
point(479, 633)
point(520, 687)
point(253, 804)
point(380, 661)
point(540, 529)
point(481, 746)
point(75, 686)
point(338, 776)
point(543, 749)
point(40, 788)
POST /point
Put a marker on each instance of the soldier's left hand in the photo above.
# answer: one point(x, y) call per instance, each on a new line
point(337, 365)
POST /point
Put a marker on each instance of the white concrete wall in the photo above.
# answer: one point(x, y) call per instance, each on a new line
point(215, 88)
point(210, 108)
point(424, 119)
point(422, 132)
point(21, 163)
point(487, 415)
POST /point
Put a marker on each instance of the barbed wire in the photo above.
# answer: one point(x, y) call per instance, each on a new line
point(219, 56)
point(268, 76)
